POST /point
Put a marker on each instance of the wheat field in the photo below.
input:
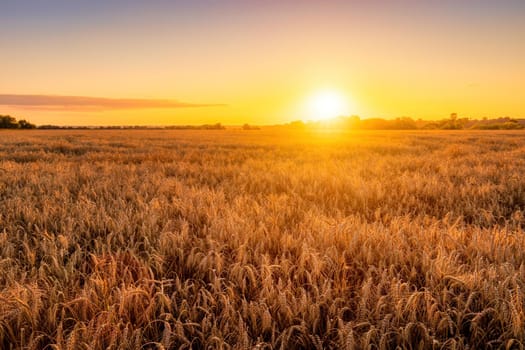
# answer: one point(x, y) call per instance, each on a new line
point(263, 239)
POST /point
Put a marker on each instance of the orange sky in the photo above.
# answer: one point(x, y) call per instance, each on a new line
point(258, 61)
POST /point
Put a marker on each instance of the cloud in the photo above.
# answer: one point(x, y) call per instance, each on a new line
point(86, 103)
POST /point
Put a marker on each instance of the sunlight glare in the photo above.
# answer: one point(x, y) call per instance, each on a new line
point(327, 104)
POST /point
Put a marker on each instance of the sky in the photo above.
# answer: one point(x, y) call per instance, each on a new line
point(158, 62)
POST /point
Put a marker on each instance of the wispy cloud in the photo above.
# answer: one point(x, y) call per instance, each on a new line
point(86, 103)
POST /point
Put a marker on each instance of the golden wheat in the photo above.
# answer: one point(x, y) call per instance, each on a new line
point(266, 239)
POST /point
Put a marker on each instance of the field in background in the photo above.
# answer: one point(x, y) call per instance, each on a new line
point(266, 239)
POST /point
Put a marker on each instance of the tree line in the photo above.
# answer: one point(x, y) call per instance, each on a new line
point(353, 122)
point(8, 122)
point(407, 123)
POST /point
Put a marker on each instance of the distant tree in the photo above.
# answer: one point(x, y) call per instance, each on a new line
point(430, 126)
point(24, 124)
point(512, 124)
point(403, 123)
point(453, 123)
point(49, 127)
point(249, 127)
point(8, 122)
point(450, 125)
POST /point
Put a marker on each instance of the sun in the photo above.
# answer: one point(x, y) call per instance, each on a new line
point(327, 104)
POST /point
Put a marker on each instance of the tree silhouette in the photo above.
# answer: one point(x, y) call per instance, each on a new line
point(8, 122)
point(24, 124)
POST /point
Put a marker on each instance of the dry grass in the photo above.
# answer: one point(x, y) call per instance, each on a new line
point(230, 239)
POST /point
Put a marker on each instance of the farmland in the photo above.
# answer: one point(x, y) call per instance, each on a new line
point(262, 239)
